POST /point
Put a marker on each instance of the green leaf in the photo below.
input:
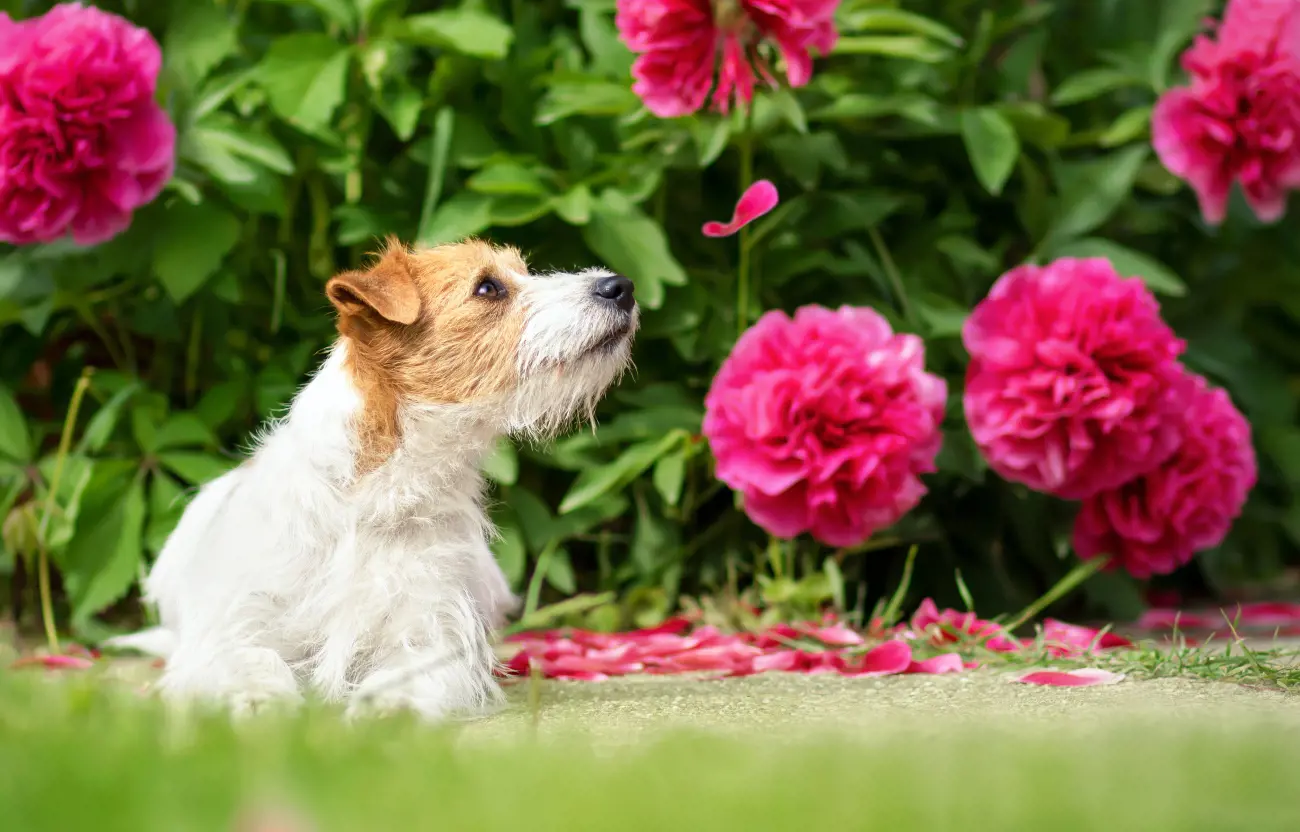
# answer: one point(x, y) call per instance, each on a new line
point(102, 560)
point(1130, 126)
point(633, 244)
point(183, 430)
point(669, 476)
point(467, 31)
point(341, 12)
point(574, 206)
point(191, 243)
point(199, 37)
point(234, 152)
point(15, 443)
point(195, 467)
point(559, 573)
point(897, 20)
point(100, 427)
point(444, 124)
point(587, 97)
point(305, 78)
point(507, 179)
point(655, 540)
point(992, 146)
point(1091, 83)
point(510, 550)
point(893, 46)
point(502, 465)
point(595, 483)
point(1091, 192)
point(464, 215)
point(1129, 263)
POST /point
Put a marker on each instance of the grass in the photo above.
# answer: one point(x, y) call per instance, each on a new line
point(85, 755)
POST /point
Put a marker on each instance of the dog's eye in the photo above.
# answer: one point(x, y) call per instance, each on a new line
point(491, 288)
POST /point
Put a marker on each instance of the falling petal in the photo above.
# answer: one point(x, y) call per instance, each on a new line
point(837, 635)
point(1071, 678)
point(758, 199)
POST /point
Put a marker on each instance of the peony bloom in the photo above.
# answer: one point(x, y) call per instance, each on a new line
point(680, 42)
point(83, 143)
point(1154, 524)
point(757, 200)
point(825, 422)
point(1239, 120)
point(1071, 383)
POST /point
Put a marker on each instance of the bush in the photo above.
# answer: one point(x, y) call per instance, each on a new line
point(943, 142)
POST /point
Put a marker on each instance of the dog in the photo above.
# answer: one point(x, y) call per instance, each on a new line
point(348, 557)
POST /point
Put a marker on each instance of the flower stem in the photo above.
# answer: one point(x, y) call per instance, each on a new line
point(891, 272)
point(890, 615)
point(539, 573)
point(743, 266)
point(1072, 579)
point(47, 511)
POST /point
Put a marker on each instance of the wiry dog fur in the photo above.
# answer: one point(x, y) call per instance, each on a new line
point(348, 556)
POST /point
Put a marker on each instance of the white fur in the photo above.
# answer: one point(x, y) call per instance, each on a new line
point(290, 575)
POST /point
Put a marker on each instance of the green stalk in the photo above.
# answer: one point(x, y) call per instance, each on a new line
point(1072, 579)
point(47, 511)
point(892, 273)
point(743, 266)
point(539, 572)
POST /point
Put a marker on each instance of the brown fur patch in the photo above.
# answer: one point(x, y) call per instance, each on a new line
point(455, 347)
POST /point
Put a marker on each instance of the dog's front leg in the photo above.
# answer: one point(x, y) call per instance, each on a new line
point(244, 678)
point(443, 669)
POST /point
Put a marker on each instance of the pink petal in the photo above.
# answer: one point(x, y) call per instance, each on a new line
point(1072, 638)
point(758, 199)
point(837, 635)
point(55, 662)
point(1167, 619)
point(888, 659)
point(1264, 614)
point(947, 663)
point(1071, 678)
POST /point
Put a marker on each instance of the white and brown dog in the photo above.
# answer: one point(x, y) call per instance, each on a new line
point(348, 557)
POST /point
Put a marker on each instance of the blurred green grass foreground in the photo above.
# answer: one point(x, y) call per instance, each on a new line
point(80, 756)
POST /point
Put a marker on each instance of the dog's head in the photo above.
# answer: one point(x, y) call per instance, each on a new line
point(467, 324)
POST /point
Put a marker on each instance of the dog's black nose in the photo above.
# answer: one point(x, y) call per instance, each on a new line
point(618, 290)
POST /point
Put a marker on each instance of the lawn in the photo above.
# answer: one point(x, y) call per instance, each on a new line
point(83, 754)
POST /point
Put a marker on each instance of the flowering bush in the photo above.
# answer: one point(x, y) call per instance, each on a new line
point(83, 143)
point(825, 421)
point(953, 173)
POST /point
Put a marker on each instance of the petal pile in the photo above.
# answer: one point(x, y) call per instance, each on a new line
point(676, 647)
point(1272, 616)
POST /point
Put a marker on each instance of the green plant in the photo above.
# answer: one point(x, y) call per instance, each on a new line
point(943, 142)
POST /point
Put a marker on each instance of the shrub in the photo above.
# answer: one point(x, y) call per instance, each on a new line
point(942, 143)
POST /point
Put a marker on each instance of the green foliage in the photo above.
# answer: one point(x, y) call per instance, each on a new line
point(943, 142)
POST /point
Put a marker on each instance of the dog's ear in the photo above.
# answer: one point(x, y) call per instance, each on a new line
point(385, 291)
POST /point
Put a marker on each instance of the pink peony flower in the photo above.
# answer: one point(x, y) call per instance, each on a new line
point(1155, 523)
point(680, 43)
point(1071, 383)
point(83, 143)
point(757, 200)
point(825, 422)
point(1239, 120)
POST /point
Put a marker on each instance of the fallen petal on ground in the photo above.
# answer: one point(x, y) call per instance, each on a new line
point(1084, 677)
point(947, 663)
